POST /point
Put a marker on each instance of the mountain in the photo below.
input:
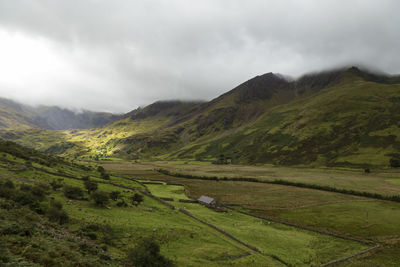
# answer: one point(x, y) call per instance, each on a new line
point(343, 117)
point(14, 115)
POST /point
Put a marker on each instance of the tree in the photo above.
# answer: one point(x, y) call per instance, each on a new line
point(100, 198)
point(56, 184)
point(114, 195)
point(90, 186)
point(394, 162)
point(100, 169)
point(9, 184)
point(147, 254)
point(221, 158)
point(136, 199)
point(73, 192)
point(57, 214)
point(105, 176)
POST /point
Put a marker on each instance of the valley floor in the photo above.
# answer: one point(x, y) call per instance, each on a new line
point(369, 219)
point(262, 224)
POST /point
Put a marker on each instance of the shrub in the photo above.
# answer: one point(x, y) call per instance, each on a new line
point(122, 203)
point(105, 176)
point(108, 234)
point(114, 195)
point(136, 199)
point(394, 162)
point(73, 192)
point(100, 198)
point(56, 184)
point(57, 214)
point(9, 184)
point(90, 186)
point(100, 169)
point(147, 253)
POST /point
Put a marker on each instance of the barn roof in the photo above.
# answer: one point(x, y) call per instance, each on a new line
point(205, 199)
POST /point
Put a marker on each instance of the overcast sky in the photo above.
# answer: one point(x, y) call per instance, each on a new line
point(117, 55)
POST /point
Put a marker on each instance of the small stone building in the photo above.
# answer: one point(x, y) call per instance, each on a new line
point(207, 201)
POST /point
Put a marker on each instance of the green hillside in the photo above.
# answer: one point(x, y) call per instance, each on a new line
point(55, 212)
point(346, 117)
point(17, 116)
point(353, 122)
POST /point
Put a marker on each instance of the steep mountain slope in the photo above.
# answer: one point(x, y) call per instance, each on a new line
point(345, 117)
point(14, 115)
point(348, 118)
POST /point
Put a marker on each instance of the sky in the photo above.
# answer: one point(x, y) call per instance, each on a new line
point(117, 55)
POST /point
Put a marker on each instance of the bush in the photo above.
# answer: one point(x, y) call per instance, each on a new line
point(147, 253)
point(122, 203)
point(90, 186)
point(56, 184)
point(394, 162)
point(57, 214)
point(100, 198)
point(114, 195)
point(9, 184)
point(100, 169)
point(105, 176)
point(6, 191)
point(136, 199)
point(73, 192)
point(108, 234)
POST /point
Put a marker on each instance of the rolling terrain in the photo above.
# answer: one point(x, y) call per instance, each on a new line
point(341, 118)
point(52, 215)
point(301, 169)
point(17, 116)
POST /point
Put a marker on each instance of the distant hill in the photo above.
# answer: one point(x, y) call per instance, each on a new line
point(345, 117)
point(14, 115)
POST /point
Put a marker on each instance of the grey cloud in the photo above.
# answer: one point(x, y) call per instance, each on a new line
point(130, 53)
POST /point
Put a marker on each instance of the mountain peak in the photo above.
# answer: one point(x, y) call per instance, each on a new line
point(259, 88)
point(372, 76)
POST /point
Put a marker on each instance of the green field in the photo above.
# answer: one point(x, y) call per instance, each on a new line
point(345, 215)
point(183, 239)
point(294, 246)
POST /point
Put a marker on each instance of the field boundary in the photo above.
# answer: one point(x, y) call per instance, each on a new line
point(148, 193)
point(330, 263)
point(366, 242)
point(394, 198)
point(349, 257)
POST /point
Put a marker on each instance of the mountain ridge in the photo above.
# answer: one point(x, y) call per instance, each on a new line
point(18, 115)
point(331, 118)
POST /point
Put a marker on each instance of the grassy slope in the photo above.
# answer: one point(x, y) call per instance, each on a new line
point(182, 239)
point(353, 123)
point(186, 241)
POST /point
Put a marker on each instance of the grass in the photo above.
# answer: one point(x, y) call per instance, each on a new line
point(294, 246)
point(183, 239)
point(178, 234)
point(326, 211)
point(374, 182)
point(376, 220)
